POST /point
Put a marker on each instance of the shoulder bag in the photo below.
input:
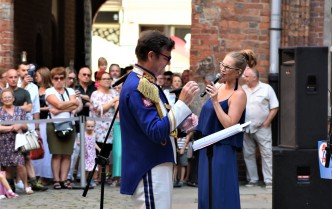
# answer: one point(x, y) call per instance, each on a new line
point(27, 141)
point(63, 129)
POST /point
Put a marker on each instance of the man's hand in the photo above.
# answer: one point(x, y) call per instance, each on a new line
point(190, 123)
point(182, 150)
point(189, 91)
point(28, 78)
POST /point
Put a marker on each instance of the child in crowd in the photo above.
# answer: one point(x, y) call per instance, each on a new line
point(90, 148)
point(102, 66)
point(5, 189)
point(180, 168)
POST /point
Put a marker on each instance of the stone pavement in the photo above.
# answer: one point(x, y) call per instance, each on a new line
point(183, 198)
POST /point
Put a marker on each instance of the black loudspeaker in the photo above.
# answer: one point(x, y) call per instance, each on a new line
point(303, 94)
point(296, 180)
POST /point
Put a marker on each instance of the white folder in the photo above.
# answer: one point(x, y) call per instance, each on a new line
point(220, 135)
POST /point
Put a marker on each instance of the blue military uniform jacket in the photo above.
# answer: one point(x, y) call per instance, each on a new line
point(145, 133)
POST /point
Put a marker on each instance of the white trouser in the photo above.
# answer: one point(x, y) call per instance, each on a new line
point(154, 191)
point(263, 137)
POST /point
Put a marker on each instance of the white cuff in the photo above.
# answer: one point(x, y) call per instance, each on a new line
point(177, 114)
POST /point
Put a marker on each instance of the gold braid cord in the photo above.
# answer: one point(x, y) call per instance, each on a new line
point(149, 90)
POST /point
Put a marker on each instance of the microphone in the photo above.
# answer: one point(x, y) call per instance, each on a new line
point(218, 76)
point(176, 91)
point(120, 80)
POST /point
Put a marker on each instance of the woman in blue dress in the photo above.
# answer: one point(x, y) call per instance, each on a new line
point(225, 108)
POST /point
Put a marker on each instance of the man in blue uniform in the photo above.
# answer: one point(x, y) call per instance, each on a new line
point(148, 123)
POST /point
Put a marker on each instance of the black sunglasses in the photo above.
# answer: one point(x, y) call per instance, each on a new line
point(167, 57)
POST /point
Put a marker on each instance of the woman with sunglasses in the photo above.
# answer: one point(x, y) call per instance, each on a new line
point(224, 108)
point(61, 102)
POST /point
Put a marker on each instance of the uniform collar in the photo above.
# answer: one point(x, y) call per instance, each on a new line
point(146, 73)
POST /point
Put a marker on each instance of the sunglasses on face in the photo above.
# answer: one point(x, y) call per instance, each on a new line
point(167, 57)
point(86, 75)
point(58, 78)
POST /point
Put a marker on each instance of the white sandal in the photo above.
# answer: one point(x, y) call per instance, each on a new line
point(28, 190)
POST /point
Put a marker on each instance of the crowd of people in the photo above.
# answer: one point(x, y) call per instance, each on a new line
point(53, 94)
point(154, 119)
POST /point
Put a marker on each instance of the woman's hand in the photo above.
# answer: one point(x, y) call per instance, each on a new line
point(54, 111)
point(116, 98)
point(17, 128)
point(77, 93)
point(212, 90)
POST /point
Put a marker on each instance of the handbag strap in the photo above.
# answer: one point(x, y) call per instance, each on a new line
point(63, 99)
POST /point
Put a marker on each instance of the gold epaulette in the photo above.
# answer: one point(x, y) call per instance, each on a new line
point(174, 133)
point(148, 89)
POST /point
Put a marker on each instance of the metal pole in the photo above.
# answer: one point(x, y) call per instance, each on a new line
point(82, 150)
point(275, 35)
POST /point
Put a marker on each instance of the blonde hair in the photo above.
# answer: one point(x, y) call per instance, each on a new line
point(243, 58)
point(102, 60)
point(45, 74)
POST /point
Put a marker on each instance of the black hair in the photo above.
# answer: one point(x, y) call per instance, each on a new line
point(152, 40)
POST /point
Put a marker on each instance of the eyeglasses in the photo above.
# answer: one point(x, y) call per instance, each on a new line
point(105, 79)
point(71, 78)
point(167, 57)
point(168, 78)
point(86, 75)
point(58, 78)
point(7, 98)
point(221, 64)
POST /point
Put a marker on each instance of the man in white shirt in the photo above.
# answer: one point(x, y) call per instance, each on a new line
point(262, 106)
point(25, 81)
point(167, 87)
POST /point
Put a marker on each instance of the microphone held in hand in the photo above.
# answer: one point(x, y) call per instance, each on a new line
point(218, 76)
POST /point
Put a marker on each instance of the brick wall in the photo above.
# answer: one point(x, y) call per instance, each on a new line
point(35, 17)
point(302, 23)
point(219, 27)
point(30, 19)
point(6, 33)
point(69, 31)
